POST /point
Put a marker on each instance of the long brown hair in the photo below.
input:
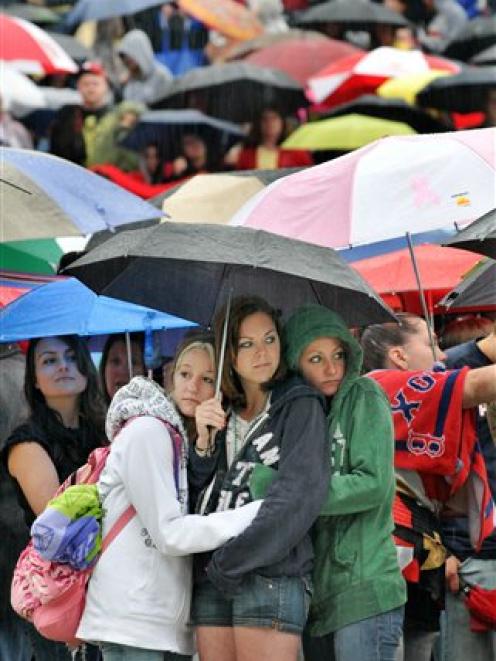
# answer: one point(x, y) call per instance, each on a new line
point(377, 339)
point(241, 308)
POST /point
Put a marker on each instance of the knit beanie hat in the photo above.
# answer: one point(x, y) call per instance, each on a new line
point(310, 322)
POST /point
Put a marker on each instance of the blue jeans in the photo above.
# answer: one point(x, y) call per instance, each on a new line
point(14, 640)
point(115, 652)
point(374, 639)
point(458, 643)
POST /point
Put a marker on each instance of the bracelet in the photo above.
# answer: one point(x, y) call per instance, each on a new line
point(204, 452)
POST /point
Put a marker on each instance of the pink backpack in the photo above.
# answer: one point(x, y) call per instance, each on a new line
point(52, 595)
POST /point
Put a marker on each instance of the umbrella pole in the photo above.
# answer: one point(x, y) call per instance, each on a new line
point(421, 295)
point(129, 355)
point(223, 346)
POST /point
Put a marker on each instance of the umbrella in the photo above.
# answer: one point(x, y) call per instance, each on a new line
point(464, 92)
point(166, 128)
point(391, 109)
point(37, 256)
point(487, 57)
point(356, 14)
point(72, 46)
point(364, 72)
point(301, 57)
point(225, 16)
point(204, 199)
point(407, 87)
point(30, 49)
point(18, 92)
point(477, 35)
point(239, 50)
point(97, 10)
point(412, 183)
point(477, 290)
point(235, 91)
point(343, 133)
point(67, 307)
point(479, 236)
point(13, 285)
point(45, 196)
point(440, 270)
point(33, 13)
point(200, 264)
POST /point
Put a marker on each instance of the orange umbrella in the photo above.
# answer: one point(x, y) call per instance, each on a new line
point(226, 16)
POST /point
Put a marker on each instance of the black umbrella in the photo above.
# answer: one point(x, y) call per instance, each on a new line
point(464, 92)
point(486, 58)
point(479, 236)
point(355, 14)
point(72, 46)
point(478, 290)
point(165, 128)
point(394, 109)
point(236, 91)
point(189, 269)
point(477, 35)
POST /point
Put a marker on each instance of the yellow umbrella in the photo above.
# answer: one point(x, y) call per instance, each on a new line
point(407, 87)
point(226, 16)
point(344, 133)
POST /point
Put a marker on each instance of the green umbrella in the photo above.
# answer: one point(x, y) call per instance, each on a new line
point(344, 133)
point(40, 256)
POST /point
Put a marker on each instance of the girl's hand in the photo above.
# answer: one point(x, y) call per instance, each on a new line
point(209, 416)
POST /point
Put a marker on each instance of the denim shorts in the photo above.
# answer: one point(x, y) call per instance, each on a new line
point(280, 603)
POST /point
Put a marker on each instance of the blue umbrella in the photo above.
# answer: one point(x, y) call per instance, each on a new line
point(45, 196)
point(67, 307)
point(96, 10)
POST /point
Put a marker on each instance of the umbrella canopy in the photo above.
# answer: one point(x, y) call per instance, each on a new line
point(479, 236)
point(440, 270)
point(487, 57)
point(67, 307)
point(413, 183)
point(464, 92)
point(202, 264)
point(33, 13)
point(72, 46)
point(477, 35)
point(165, 128)
point(407, 87)
point(356, 14)
point(344, 133)
point(301, 57)
point(477, 290)
point(239, 50)
point(45, 196)
point(19, 93)
point(30, 49)
point(235, 91)
point(364, 72)
point(225, 16)
point(38, 256)
point(13, 285)
point(97, 10)
point(391, 109)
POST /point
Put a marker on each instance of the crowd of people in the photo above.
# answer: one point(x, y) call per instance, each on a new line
point(334, 501)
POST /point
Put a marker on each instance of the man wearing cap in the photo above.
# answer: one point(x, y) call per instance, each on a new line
point(88, 134)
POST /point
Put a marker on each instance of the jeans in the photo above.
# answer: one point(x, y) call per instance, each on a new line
point(115, 652)
point(14, 641)
point(374, 639)
point(458, 643)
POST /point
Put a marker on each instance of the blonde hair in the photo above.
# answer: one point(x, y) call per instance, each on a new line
point(198, 344)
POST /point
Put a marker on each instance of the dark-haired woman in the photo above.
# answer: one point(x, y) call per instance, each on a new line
point(252, 601)
point(65, 423)
point(114, 365)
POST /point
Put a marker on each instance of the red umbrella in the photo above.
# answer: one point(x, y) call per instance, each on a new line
point(481, 604)
point(302, 57)
point(392, 274)
point(30, 49)
point(362, 73)
point(13, 285)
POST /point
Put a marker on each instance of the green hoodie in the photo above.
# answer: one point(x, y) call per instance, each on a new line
point(356, 572)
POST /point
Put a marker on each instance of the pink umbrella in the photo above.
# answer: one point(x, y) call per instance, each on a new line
point(392, 186)
point(362, 73)
point(30, 49)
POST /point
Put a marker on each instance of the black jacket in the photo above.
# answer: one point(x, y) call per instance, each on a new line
point(291, 438)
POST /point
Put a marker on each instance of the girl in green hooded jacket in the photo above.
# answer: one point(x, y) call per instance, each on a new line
point(357, 607)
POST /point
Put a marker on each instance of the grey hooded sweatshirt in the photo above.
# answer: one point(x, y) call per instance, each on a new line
point(154, 79)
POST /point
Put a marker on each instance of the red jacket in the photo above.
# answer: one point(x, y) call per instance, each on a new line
point(288, 158)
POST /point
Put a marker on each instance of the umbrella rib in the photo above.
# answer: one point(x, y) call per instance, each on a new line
point(216, 298)
point(20, 188)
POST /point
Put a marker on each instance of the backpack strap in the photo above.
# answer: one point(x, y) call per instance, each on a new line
point(118, 526)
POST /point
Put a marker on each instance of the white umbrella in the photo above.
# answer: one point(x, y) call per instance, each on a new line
point(19, 94)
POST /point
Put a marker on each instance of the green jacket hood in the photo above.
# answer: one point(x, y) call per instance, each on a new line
point(312, 321)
